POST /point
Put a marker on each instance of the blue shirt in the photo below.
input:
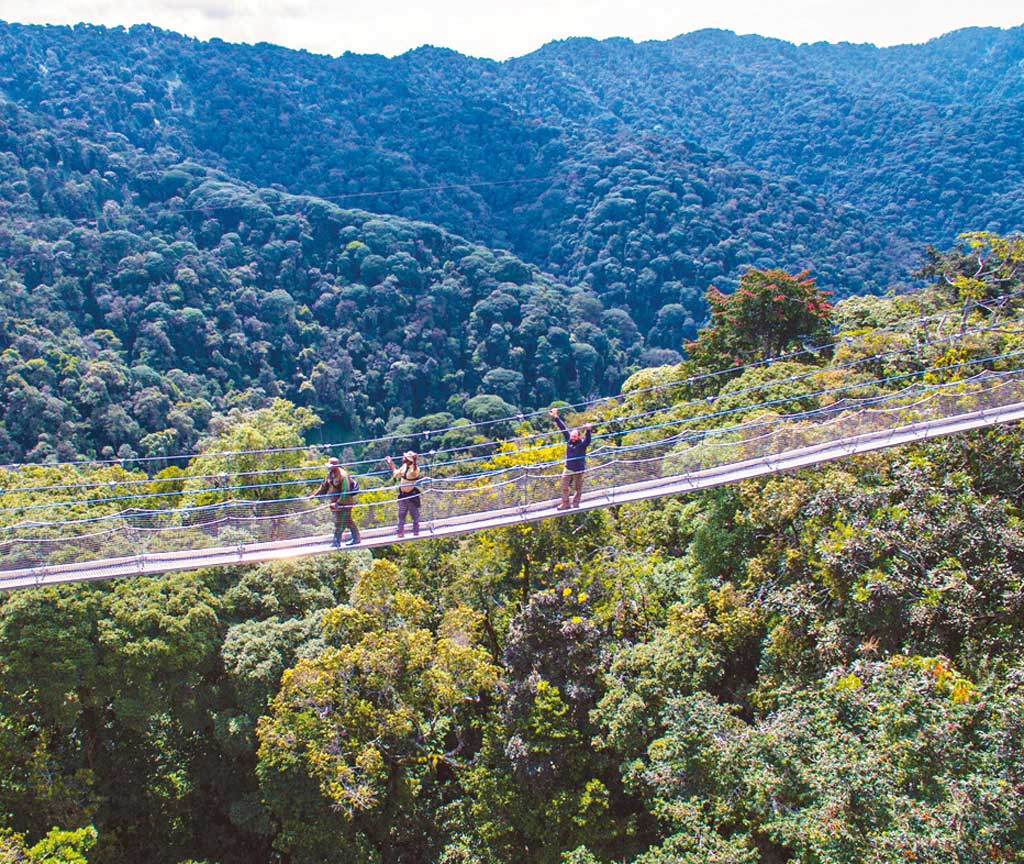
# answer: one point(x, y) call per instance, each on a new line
point(575, 451)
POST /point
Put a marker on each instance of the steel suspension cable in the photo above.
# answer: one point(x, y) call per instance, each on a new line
point(650, 427)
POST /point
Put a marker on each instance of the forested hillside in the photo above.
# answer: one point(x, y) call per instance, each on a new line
point(190, 294)
point(818, 667)
point(209, 249)
point(155, 214)
point(587, 159)
point(925, 138)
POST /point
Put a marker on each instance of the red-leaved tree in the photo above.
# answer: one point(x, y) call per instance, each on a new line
point(770, 313)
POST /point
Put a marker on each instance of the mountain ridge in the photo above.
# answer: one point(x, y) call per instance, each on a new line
point(635, 175)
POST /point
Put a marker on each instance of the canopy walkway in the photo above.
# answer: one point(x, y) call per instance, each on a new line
point(643, 466)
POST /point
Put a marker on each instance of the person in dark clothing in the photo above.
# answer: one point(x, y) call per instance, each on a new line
point(337, 486)
point(408, 492)
point(575, 460)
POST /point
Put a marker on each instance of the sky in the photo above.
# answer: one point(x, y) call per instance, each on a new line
point(500, 30)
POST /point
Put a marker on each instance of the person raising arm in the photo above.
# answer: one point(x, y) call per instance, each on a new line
point(576, 445)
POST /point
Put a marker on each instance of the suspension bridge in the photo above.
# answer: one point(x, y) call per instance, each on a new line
point(672, 449)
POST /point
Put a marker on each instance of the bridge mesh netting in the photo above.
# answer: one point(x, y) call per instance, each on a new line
point(646, 462)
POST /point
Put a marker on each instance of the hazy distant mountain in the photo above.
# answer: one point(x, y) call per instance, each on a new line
point(928, 137)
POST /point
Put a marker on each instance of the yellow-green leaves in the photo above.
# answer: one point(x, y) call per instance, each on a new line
point(57, 847)
point(365, 718)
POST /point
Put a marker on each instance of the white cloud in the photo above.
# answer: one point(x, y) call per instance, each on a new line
point(502, 30)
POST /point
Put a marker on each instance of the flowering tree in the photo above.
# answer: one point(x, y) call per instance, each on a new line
point(770, 312)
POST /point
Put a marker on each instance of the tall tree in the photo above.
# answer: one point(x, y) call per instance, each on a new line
point(771, 312)
point(372, 721)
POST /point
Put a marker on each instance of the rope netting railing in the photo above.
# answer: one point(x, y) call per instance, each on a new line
point(656, 459)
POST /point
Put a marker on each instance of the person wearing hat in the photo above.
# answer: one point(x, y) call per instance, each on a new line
point(408, 492)
point(338, 486)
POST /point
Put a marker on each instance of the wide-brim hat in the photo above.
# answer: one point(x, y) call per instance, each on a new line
point(334, 462)
point(409, 456)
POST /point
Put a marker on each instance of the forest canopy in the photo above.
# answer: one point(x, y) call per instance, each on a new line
point(214, 258)
point(818, 666)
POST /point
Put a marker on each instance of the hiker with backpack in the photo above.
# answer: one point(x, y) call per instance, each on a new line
point(408, 492)
point(340, 487)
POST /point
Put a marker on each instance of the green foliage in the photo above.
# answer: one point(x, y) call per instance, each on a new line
point(983, 266)
point(372, 717)
point(134, 338)
point(153, 271)
point(105, 689)
point(818, 667)
point(57, 847)
point(256, 448)
point(770, 313)
point(894, 765)
point(64, 847)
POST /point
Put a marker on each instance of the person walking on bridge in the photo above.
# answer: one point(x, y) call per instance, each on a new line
point(339, 486)
point(408, 492)
point(575, 460)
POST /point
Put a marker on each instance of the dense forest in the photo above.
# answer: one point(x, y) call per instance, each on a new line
point(177, 238)
point(510, 155)
point(890, 145)
point(818, 667)
point(194, 294)
point(208, 248)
